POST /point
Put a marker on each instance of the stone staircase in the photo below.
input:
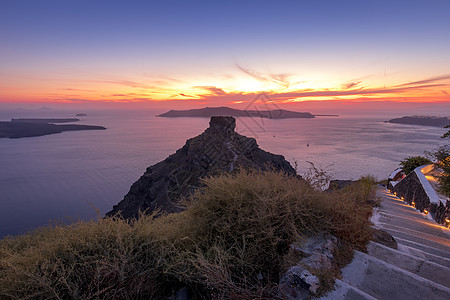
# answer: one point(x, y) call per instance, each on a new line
point(418, 269)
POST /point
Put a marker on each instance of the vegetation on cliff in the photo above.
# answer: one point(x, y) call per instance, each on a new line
point(412, 162)
point(232, 241)
point(441, 156)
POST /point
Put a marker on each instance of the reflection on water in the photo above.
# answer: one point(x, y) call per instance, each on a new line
point(73, 173)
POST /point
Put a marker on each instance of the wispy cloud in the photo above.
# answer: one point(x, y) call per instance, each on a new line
point(280, 79)
point(350, 85)
point(129, 83)
point(350, 90)
point(121, 82)
point(214, 90)
point(121, 95)
point(428, 80)
point(183, 95)
point(423, 90)
point(121, 100)
point(76, 90)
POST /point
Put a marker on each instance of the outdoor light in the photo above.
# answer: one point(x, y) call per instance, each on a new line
point(403, 198)
point(447, 220)
point(413, 203)
point(425, 211)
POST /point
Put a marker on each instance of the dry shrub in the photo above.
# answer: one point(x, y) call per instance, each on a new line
point(237, 230)
point(87, 260)
point(231, 242)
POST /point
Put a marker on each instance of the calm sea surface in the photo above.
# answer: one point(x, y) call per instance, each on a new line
point(68, 176)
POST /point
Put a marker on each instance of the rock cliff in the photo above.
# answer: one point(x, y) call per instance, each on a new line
point(218, 149)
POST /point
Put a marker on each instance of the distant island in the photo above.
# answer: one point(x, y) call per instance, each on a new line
point(422, 120)
point(80, 115)
point(45, 121)
point(19, 128)
point(208, 112)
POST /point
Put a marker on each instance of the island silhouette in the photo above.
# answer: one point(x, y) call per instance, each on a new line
point(208, 112)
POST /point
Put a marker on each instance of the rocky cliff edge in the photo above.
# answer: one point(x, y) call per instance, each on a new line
point(218, 149)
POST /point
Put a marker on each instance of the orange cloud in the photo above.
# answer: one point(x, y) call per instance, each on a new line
point(414, 91)
point(227, 90)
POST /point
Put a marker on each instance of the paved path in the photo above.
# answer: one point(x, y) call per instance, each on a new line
point(418, 269)
point(402, 220)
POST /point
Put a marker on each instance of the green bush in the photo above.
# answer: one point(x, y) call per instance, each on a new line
point(412, 162)
point(232, 241)
point(442, 164)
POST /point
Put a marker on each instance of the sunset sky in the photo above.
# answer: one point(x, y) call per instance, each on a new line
point(303, 55)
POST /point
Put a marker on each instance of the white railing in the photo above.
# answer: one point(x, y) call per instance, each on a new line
point(432, 195)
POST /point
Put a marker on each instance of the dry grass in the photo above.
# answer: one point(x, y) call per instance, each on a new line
point(87, 260)
point(232, 242)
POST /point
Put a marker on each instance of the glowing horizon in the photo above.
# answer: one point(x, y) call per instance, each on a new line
point(237, 89)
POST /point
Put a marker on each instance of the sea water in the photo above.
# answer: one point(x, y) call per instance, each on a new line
point(82, 174)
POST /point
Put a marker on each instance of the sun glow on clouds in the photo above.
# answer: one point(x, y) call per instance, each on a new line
point(248, 85)
point(239, 87)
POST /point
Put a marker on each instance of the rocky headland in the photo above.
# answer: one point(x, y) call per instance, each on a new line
point(19, 128)
point(208, 112)
point(218, 149)
point(422, 120)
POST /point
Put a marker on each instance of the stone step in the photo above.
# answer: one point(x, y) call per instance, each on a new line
point(424, 255)
point(423, 225)
point(426, 269)
point(421, 244)
point(400, 207)
point(438, 241)
point(382, 280)
point(345, 291)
